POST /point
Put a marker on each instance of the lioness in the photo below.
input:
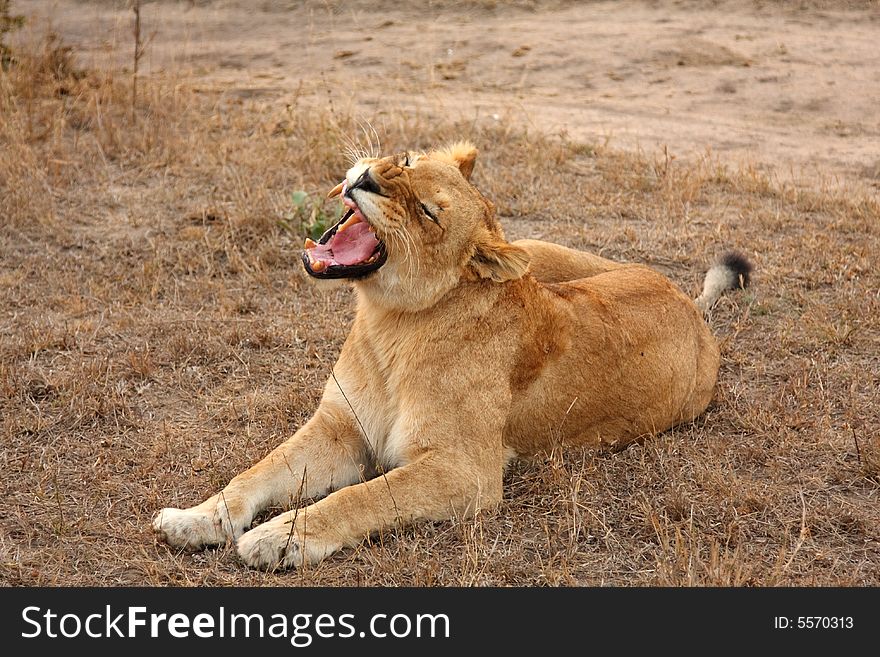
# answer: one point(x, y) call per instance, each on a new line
point(466, 352)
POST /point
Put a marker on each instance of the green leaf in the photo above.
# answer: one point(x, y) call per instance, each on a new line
point(299, 198)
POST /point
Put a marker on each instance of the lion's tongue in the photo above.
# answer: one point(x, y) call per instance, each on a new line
point(353, 245)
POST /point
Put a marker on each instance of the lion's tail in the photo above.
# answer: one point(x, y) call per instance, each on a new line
point(730, 272)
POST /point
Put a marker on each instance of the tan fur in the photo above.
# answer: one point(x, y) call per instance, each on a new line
point(465, 350)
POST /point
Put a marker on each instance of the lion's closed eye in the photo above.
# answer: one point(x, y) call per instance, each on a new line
point(431, 211)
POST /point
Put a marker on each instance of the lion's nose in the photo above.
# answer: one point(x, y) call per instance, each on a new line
point(365, 182)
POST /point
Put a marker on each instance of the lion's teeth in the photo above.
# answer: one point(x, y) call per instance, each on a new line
point(318, 265)
point(354, 219)
point(310, 243)
point(336, 191)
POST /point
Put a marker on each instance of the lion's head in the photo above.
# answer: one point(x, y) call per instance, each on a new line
point(414, 227)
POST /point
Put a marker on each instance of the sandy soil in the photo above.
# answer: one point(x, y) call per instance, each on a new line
point(796, 88)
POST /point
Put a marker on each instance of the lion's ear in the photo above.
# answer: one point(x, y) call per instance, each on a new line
point(462, 154)
point(499, 260)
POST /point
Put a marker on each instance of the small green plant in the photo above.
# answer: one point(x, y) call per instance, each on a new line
point(307, 216)
point(9, 22)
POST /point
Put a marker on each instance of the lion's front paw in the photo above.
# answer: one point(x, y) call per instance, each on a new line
point(270, 545)
point(278, 544)
point(215, 521)
point(188, 528)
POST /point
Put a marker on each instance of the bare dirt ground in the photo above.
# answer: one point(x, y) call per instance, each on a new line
point(793, 85)
point(158, 335)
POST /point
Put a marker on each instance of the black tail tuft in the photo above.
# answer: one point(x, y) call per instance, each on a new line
point(737, 263)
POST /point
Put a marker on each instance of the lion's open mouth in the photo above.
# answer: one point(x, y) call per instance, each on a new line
point(350, 249)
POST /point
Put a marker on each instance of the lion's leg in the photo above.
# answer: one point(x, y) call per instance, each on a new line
point(428, 489)
point(326, 453)
point(552, 263)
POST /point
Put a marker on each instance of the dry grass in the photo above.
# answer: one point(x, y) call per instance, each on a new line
point(158, 337)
